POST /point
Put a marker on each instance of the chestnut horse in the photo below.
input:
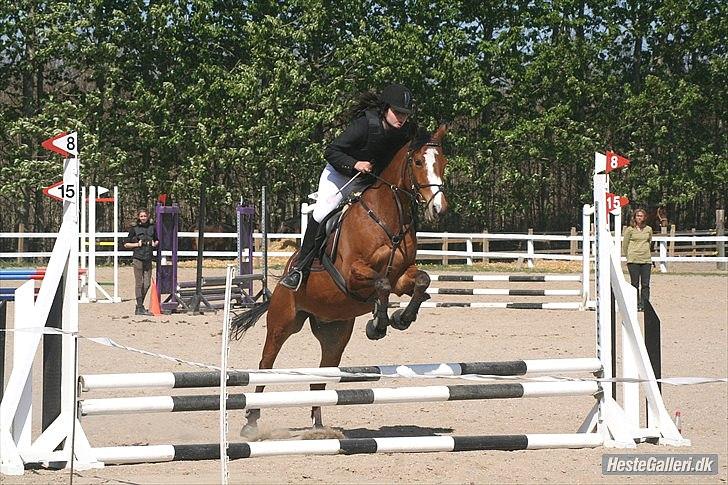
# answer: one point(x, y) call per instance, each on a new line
point(375, 256)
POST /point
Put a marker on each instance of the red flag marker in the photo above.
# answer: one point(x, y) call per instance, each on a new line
point(65, 144)
point(54, 191)
point(616, 201)
point(615, 161)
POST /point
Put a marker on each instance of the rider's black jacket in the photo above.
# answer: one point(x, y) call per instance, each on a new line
point(365, 139)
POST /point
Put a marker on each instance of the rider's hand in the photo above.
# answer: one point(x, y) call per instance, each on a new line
point(363, 166)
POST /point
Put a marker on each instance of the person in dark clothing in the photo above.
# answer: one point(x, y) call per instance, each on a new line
point(142, 239)
point(381, 127)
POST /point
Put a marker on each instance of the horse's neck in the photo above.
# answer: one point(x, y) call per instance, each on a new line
point(394, 174)
point(381, 197)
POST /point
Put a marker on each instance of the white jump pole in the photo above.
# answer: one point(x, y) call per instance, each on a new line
point(603, 289)
point(586, 214)
point(224, 352)
point(64, 431)
point(617, 213)
point(91, 243)
point(116, 244)
point(23, 420)
point(82, 229)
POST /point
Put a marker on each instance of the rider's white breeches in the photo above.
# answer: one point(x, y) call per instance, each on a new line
point(329, 196)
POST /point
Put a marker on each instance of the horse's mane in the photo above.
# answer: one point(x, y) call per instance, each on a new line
point(421, 137)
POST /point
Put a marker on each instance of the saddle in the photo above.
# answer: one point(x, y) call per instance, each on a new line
point(326, 245)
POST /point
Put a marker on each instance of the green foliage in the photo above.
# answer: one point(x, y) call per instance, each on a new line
point(169, 95)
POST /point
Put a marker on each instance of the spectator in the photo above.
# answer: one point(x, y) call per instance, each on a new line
point(142, 239)
point(636, 242)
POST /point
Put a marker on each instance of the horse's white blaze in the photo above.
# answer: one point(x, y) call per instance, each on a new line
point(433, 178)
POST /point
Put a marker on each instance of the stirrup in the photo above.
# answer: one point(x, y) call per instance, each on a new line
point(293, 279)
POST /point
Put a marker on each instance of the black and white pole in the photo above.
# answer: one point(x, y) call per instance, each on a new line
point(340, 397)
point(412, 444)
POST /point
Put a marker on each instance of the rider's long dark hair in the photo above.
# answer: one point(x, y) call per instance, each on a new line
point(366, 101)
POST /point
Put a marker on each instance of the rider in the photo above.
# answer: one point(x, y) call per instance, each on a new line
point(381, 126)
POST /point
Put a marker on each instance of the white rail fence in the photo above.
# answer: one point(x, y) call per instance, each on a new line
point(469, 248)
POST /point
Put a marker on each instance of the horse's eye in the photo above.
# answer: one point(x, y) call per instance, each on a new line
point(419, 162)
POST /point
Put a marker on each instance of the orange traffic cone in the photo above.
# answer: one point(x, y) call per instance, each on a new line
point(154, 306)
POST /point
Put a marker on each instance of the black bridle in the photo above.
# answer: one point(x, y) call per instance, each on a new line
point(413, 191)
point(415, 186)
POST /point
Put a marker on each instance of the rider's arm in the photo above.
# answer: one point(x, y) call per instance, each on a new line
point(354, 138)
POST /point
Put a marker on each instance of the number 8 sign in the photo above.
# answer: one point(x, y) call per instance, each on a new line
point(615, 161)
point(65, 144)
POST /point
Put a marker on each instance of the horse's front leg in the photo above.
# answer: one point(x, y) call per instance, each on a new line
point(363, 278)
point(377, 327)
point(413, 282)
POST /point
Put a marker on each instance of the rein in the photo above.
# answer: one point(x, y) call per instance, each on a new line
point(413, 192)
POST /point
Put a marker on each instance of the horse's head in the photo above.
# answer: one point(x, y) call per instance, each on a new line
point(426, 166)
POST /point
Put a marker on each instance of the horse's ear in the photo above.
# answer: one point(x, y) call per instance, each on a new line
point(440, 133)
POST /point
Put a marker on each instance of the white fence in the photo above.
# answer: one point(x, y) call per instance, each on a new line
point(668, 247)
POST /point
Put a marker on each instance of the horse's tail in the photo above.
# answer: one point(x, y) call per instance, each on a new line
point(246, 320)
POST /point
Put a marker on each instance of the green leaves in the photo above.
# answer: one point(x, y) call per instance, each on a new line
point(172, 94)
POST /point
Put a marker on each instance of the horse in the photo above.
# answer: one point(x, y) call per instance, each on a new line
point(375, 257)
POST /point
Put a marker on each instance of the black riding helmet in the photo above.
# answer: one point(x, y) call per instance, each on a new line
point(398, 97)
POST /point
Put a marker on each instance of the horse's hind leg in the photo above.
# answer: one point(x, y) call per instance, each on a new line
point(282, 321)
point(413, 282)
point(333, 337)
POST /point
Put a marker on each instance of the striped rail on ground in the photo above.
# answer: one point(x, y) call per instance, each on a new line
point(413, 444)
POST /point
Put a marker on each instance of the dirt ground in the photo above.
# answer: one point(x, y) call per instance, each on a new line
point(694, 312)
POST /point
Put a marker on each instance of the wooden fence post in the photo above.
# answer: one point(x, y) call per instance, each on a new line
point(445, 247)
point(720, 231)
point(573, 244)
point(486, 246)
point(21, 241)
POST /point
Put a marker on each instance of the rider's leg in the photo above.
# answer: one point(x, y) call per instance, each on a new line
point(328, 198)
point(306, 255)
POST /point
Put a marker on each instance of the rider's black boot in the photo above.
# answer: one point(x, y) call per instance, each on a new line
point(298, 274)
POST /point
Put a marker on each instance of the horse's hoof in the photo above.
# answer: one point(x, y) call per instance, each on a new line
point(249, 431)
point(396, 320)
point(373, 333)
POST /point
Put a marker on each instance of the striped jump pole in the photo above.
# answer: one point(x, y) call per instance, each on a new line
point(21, 276)
point(8, 294)
point(502, 291)
point(513, 278)
point(24, 274)
point(415, 444)
point(181, 380)
point(342, 397)
point(524, 292)
point(491, 304)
